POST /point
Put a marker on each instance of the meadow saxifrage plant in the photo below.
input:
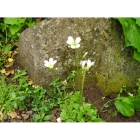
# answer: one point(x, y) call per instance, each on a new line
point(73, 108)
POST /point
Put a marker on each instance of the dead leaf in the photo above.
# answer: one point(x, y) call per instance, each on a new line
point(30, 82)
point(14, 53)
point(35, 86)
point(12, 71)
point(9, 53)
point(3, 71)
point(10, 64)
point(10, 59)
point(13, 115)
point(7, 73)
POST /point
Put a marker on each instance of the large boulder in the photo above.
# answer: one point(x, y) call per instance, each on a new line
point(102, 38)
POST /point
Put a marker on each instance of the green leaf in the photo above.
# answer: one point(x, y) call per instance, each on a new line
point(47, 118)
point(13, 21)
point(35, 109)
point(138, 21)
point(131, 32)
point(13, 95)
point(92, 118)
point(31, 24)
point(98, 120)
point(21, 98)
point(127, 99)
point(138, 91)
point(6, 49)
point(92, 112)
point(3, 27)
point(136, 102)
point(36, 117)
point(14, 104)
point(125, 108)
point(2, 38)
point(14, 29)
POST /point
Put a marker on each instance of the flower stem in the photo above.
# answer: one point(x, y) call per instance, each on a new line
point(77, 70)
point(76, 61)
point(82, 88)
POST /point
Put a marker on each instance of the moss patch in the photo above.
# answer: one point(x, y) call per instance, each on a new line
point(112, 84)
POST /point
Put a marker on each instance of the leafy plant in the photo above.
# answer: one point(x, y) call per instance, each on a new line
point(20, 95)
point(73, 111)
point(10, 29)
point(13, 26)
point(131, 29)
point(11, 97)
point(127, 105)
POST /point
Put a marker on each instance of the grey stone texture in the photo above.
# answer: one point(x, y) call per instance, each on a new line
point(102, 38)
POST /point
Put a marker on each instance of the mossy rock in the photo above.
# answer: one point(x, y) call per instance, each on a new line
point(102, 38)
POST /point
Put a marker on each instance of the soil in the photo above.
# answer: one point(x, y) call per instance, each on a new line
point(92, 96)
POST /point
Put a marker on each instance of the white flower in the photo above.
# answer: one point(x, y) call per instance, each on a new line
point(59, 120)
point(49, 63)
point(86, 64)
point(74, 44)
point(89, 64)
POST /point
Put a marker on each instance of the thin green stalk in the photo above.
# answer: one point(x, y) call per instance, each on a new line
point(98, 100)
point(76, 59)
point(82, 88)
point(77, 70)
point(106, 104)
point(83, 80)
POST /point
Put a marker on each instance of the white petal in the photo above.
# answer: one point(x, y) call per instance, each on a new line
point(73, 47)
point(78, 39)
point(51, 60)
point(83, 63)
point(46, 63)
point(70, 40)
point(77, 46)
point(89, 63)
point(54, 62)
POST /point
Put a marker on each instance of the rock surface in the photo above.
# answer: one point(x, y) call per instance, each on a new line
point(102, 38)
